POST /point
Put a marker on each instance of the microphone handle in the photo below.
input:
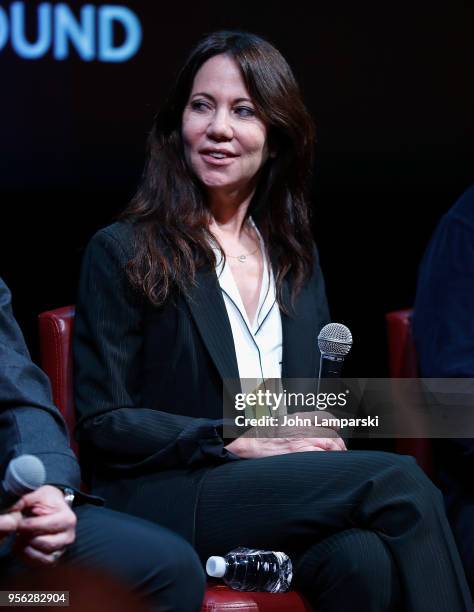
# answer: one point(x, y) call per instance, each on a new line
point(330, 366)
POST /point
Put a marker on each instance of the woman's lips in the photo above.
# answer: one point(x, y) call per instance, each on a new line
point(217, 161)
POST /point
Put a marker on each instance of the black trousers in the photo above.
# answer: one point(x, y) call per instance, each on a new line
point(454, 462)
point(366, 531)
point(460, 509)
point(142, 556)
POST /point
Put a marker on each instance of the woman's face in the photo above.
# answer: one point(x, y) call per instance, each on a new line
point(225, 142)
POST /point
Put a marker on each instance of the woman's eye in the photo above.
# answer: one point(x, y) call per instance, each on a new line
point(245, 111)
point(198, 105)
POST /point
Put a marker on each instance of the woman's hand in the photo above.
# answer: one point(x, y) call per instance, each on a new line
point(282, 440)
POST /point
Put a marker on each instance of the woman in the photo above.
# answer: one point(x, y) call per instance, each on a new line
point(211, 274)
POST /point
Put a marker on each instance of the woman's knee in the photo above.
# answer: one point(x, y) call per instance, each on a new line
point(362, 554)
point(370, 570)
point(352, 564)
point(398, 486)
point(403, 472)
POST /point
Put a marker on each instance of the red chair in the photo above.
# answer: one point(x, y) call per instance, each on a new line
point(403, 363)
point(55, 331)
point(402, 359)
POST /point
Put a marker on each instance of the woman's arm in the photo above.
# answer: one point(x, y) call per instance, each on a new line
point(108, 338)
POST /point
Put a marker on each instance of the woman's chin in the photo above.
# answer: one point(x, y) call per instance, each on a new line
point(217, 184)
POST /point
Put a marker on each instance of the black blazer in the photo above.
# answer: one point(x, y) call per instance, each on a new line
point(149, 381)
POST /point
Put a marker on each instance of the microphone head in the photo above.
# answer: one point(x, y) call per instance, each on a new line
point(335, 339)
point(24, 474)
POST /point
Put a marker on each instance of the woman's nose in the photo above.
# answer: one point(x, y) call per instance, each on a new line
point(220, 127)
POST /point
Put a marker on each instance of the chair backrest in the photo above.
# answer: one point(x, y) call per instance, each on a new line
point(403, 363)
point(402, 359)
point(55, 333)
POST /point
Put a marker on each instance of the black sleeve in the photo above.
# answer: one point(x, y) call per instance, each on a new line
point(321, 306)
point(113, 424)
point(29, 421)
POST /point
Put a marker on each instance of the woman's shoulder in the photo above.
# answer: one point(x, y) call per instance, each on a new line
point(117, 239)
point(107, 257)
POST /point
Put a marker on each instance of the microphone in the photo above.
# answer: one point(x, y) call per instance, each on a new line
point(24, 474)
point(335, 342)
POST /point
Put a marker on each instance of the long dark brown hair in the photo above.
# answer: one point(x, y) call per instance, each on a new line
point(169, 211)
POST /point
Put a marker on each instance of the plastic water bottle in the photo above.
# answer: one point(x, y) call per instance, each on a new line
point(245, 569)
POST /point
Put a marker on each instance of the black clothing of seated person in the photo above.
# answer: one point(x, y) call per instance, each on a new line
point(211, 274)
point(157, 564)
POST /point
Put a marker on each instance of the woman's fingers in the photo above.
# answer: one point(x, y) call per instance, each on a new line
point(328, 444)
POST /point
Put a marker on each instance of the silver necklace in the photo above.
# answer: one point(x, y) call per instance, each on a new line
point(243, 258)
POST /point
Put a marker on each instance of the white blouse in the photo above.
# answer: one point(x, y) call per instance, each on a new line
point(258, 346)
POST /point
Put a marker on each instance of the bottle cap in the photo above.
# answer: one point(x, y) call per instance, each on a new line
point(216, 567)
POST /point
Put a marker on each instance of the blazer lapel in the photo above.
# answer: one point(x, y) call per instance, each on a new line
point(299, 343)
point(299, 348)
point(209, 312)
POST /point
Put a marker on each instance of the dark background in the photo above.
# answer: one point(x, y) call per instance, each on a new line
point(391, 87)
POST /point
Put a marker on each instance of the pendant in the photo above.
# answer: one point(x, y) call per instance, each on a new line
point(242, 258)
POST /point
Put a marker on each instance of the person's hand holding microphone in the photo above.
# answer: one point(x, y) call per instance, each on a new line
point(39, 514)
